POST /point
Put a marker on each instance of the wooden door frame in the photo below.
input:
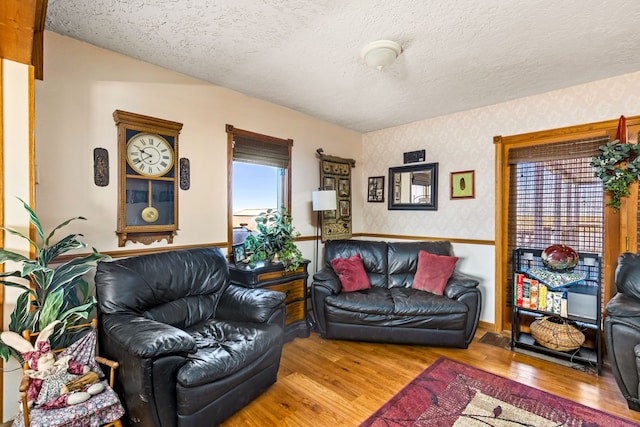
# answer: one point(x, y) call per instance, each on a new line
point(620, 229)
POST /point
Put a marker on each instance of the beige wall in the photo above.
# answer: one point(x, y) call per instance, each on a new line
point(464, 141)
point(16, 103)
point(83, 85)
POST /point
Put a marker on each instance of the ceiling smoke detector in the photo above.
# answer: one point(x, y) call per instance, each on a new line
point(381, 53)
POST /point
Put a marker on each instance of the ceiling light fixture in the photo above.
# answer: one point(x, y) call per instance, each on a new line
point(381, 53)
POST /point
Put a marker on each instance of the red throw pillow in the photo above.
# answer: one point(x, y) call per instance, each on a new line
point(433, 272)
point(351, 273)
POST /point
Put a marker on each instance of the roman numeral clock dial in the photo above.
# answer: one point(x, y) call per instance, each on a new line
point(147, 178)
point(149, 155)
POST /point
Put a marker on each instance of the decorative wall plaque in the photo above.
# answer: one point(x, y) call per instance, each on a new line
point(185, 174)
point(335, 174)
point(101, 167)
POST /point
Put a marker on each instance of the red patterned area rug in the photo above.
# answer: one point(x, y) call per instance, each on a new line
point(449, 393)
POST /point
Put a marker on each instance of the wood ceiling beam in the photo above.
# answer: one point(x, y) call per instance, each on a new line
point(22, 31)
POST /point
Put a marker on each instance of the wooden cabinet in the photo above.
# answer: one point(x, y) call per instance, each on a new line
point(578, 301)
point(292, 283)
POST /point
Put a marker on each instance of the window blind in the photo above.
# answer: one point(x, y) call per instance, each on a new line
point(555, 198)
point(261, 151)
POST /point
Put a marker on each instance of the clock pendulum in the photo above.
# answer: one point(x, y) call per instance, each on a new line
point(150, 214)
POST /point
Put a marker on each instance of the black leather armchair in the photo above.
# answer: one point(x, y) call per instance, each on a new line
point(192, 348)
point(622, 328)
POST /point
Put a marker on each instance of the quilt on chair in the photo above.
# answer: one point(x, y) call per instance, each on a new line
point(100, 409)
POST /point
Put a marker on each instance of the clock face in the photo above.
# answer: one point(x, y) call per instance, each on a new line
point(149, 154)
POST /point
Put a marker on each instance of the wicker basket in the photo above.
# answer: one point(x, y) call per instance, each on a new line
point(556, 333)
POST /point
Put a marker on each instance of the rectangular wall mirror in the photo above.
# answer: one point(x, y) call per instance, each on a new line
point(414, 187)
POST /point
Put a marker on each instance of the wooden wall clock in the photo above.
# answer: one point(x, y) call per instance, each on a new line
point(148, 178)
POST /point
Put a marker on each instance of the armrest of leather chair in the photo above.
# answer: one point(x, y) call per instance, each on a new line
point(625, 308)
point(622, 336)
point(459, 284)
point(325, 282)
point(145, 338)
point(327, 279)
point(250, 305)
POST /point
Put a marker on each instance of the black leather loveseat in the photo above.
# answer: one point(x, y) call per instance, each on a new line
point(392, 310)
point(622, 328)
point(192, 348)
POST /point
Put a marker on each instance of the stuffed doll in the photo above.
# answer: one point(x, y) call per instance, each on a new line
point(48, 374)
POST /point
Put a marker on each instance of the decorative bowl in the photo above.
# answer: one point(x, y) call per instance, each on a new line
point(560, 258)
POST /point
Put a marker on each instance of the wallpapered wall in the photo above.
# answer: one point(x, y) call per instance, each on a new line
point(464, 141)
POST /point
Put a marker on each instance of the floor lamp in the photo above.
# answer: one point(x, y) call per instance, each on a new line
point(322, 200)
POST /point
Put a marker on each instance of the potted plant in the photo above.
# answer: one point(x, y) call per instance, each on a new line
point(59, 293)
point(275, 240)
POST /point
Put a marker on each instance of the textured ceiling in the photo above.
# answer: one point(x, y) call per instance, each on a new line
point(305, 54)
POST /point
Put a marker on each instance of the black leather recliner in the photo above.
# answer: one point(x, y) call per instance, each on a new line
point(391, 310)
point(622, 328)
point(192, 348)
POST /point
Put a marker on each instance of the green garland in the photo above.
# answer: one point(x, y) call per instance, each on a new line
point(618, 165)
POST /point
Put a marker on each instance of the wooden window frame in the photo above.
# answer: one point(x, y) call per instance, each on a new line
point(620, 229)
point(231, 132)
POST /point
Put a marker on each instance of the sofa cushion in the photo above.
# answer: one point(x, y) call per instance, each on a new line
point(374, 257)
point(396, 307)
point(225, 347)
point(174, 281)
point(433, 272)
point(372, 300)
point(401, 301)
point(351, 273)
point(403, 259)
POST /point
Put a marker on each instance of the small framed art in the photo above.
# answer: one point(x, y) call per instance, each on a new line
point(376, 189)
point(463, 185)
point(238, 253)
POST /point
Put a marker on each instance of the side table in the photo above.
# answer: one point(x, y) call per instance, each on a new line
point(274, 276)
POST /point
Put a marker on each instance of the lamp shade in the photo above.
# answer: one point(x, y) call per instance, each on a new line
point(324, 200)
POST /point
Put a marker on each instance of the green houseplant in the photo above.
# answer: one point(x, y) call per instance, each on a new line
point(617, 165)
point(275, 239)
point(59, 293)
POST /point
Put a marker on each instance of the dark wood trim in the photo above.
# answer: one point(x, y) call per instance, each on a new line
point(137, 252)
point(37, 51)
point(2, 219)
point(229, 130)
point(223, 245)
point(404, 237)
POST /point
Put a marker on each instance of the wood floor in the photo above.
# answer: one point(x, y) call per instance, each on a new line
point(340, 383)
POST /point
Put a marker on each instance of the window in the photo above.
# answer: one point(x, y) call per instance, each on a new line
point(555, 198)
point(259, 178)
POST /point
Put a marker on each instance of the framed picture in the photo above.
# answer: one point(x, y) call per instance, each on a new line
point(329, 183)
point(413, 187)
point(345, 209)
point(238, 253)
point(463, 185)
point(343, 189)
point(376, 189)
